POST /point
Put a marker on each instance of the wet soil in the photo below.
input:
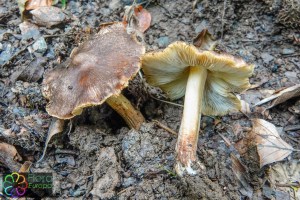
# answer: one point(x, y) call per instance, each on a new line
point(97, 156)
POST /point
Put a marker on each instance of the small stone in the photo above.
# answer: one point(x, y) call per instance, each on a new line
point(29, 30)
point(6, 54)
point(291, 75)
point(267, 58)
point(250, 35)
point(163, 41)
point(279, 61)
point(65, 159)
point(289, 67)
point(40, 46)
point(128, 182)
point(114, 4)
point(105, 12)
point(287, 51)
point(275, 68)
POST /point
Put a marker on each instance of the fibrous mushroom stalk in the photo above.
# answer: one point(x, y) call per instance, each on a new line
point(189, 130)
point(122, 105)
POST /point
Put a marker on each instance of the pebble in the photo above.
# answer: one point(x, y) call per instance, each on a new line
point(29, 30)
point(68, 159)
point(287, 51)
point(40, 46)
point(6, 54)
point(267, 58)
point(163, 41)
point(128, 182)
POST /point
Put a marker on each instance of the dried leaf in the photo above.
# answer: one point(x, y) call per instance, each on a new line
point(240, 172)
point(9, 156)
point(144, 18)
point(57, 126)
point(281, 96)
point(26, 5)
point(25, 167)
point(205, 41)
point(136, 18)
point(270, 147)
point(34, 4)
point(285, 176)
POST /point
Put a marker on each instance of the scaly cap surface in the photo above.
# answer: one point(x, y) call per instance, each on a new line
point(98, 68)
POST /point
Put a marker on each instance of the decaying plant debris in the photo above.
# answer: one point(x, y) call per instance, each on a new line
point(97, 156)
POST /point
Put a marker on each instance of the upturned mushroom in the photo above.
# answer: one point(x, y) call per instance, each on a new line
point(96, 72)
point(208, 81)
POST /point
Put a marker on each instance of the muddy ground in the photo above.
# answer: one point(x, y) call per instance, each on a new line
point(97, 156)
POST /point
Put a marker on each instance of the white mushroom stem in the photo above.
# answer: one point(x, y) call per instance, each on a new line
point(189, 129)
point(122, 105)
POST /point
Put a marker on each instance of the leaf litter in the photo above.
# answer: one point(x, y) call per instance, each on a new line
point(281, 96)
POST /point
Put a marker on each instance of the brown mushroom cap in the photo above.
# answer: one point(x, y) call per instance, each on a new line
point(98, 68)
point(169, 70)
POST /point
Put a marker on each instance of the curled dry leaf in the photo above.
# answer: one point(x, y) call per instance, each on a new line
point(281, 96)
point(270, 147)
point(9, 156)
point(57, 126)
point(136, 18)
point(26, 5)
point(34, 4)
point(205, 41)
point(25, 167)
point(239, 171)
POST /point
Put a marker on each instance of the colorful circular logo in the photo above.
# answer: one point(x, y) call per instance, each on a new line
point(15, 185)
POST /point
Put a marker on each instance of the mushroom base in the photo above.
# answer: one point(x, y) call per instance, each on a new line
point(189, 129)
point(123, 107)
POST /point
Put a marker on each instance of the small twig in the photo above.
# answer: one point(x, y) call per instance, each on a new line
point(287, 184)
point(168, 102)
point(292, 55)
point(293, 139)
point(292, 128)
point(164, 127)
point(223, 14)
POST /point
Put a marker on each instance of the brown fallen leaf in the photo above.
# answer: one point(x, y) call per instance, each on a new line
point(204, 40)
point(57, 126)
point(26, 5)
point(25, 167)
point(136, 18)
point(10, 157)
point(281, 96)
point(239, 171)
point(34, 4)
point(270, 147)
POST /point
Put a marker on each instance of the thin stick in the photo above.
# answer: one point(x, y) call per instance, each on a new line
point(168, 102)
point(164, 127)
point(223, 14)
